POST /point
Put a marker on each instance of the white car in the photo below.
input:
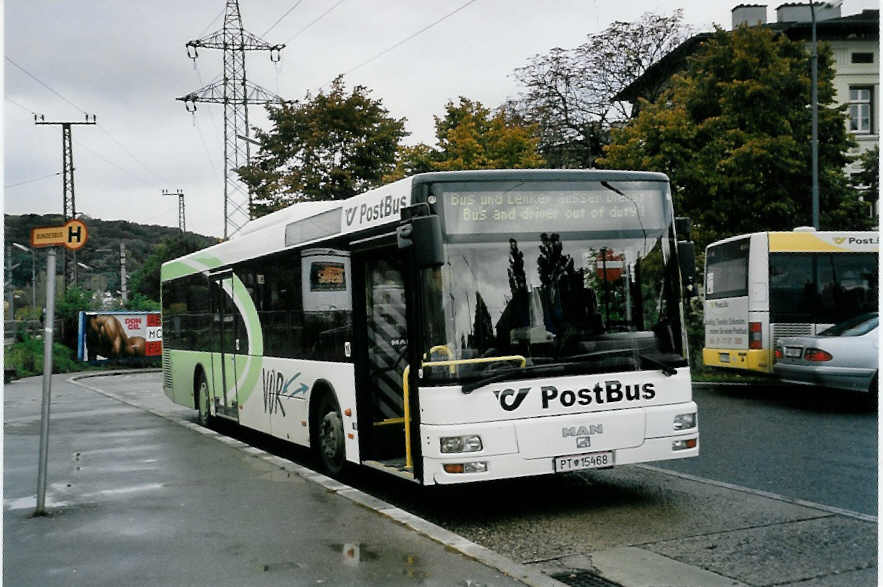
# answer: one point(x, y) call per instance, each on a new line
point(842, 357)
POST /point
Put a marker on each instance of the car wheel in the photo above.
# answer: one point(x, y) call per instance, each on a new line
point(203, 401)
point(330, 436)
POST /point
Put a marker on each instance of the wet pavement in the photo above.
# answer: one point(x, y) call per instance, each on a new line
point(139, 494)
point(138, 499)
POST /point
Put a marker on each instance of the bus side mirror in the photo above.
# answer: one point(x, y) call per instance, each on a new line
point(423, 235)
point(687, 260)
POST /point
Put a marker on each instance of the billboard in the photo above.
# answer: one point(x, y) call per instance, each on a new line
point(119, 335)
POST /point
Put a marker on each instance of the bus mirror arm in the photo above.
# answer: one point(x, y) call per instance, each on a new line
point(687, 261)
point(423, 235)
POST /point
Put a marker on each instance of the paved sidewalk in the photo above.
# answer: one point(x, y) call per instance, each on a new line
point(139, 499)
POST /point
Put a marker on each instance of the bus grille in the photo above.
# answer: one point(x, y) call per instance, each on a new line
point(167, 369)
point(790, 329)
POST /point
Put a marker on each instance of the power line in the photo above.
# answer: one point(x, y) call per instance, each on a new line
point(214, 20)
point(78, 143)
point(314, 21)
point(403, 41)
point(278, 20)
point(103, 129)
point(25, 108)
point(106, 160)
point(129, 153)
point(13, 185)
point(42, 83)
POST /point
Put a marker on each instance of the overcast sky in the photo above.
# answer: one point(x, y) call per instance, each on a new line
point(125, 62)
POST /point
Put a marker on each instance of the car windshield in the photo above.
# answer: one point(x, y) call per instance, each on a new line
point(857, 326)
point(578, 277)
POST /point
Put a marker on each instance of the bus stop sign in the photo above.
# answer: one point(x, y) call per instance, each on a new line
point(72, 234)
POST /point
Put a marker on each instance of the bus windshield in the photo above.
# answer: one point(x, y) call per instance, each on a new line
point(575, 277)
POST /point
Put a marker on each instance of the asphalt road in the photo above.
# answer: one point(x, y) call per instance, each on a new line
point(801, 442)
point(641, 517)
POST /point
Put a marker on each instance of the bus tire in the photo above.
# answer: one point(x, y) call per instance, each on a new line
point(202, 399)
point(329, 435)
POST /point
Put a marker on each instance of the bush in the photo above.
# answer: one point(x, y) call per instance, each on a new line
point(26, 358)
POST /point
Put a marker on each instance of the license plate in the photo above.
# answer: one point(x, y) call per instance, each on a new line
point(724, 357)
point(793, 351)
point(593, 460)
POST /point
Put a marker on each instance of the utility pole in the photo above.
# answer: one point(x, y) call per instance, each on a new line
point(69, 207)
point(235, 93)
point(123, 291)
point(8, 285)
point(181, 221)
point(814, 100)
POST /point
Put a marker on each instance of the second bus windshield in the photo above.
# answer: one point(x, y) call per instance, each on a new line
point(557, 272)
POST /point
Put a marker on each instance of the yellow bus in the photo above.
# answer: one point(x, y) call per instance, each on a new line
point(766, 285)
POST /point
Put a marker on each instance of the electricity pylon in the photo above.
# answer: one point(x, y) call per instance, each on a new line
point(235, 93)
point(69, 206)
point(181, 220)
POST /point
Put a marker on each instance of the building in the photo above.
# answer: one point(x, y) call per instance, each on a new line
point(854, 39)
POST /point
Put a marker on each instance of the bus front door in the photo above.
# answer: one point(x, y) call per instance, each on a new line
point(223, 347)
point(380, 300)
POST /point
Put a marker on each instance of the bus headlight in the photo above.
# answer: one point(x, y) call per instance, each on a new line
point(685, 421)
point(455, 444)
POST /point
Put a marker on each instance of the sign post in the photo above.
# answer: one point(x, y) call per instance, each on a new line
point(72, 235)
point(48, 334)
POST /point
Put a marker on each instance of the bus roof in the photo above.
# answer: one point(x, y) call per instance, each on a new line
point(303, 223)
point(811, 241)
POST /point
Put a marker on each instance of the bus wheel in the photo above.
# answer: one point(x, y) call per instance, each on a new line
point(202, 399)
point(330, 436)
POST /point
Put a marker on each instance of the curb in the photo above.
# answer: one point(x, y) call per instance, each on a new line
point(518, 571)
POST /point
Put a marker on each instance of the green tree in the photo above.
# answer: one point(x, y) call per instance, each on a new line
point(327, 147)
point(472, 136)
point(67, 309)
point(866, 182)
point(145, 283)
point(733, 134)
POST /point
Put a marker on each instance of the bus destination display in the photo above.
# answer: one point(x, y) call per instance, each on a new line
point(515, 211)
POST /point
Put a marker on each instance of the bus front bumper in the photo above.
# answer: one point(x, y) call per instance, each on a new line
point(513, 465)
point(535, 446)
point(746, 359)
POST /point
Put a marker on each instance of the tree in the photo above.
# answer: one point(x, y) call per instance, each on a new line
point(327, 147)
point(866, 182)
point(67, 309)
point(472, 136)
point(733, 134)
point(145, 284)
point(569, 94)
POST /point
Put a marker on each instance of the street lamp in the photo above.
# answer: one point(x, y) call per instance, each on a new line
point(33, 271)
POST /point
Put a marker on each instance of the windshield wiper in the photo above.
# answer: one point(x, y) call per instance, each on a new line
point(469, 387)
point(667, 369)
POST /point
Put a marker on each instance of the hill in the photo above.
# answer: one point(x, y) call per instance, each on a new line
point(101, 253)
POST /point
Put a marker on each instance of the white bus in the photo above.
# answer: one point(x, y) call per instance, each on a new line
point(448, 327)
point(766, 285)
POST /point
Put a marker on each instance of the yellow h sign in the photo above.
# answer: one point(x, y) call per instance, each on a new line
point(72, 235)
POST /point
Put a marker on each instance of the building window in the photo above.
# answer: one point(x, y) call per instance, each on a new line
point(863, 58)
point(860, 109)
